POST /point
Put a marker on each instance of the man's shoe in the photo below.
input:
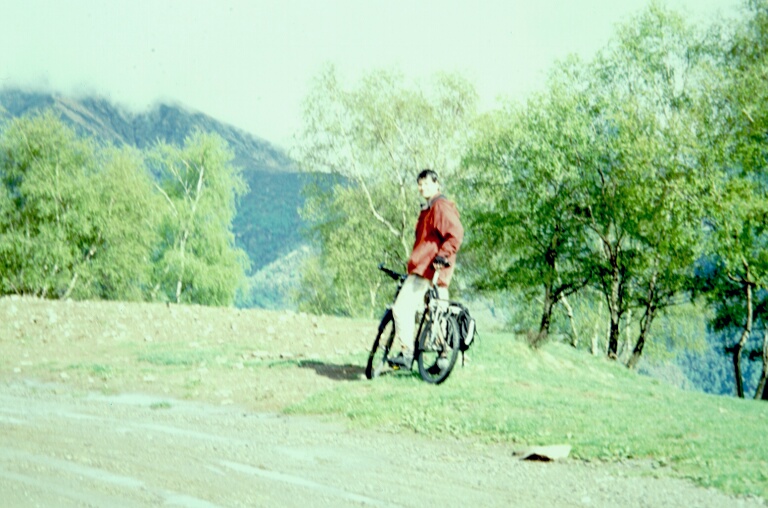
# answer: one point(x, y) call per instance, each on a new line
point(403, 361)
point(443, 363)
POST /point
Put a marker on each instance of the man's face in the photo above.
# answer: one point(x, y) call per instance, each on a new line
point(428, 188)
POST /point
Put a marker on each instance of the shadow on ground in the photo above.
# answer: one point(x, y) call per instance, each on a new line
point(346, 372)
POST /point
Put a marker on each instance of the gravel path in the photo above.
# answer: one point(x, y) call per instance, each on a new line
point(64, 449)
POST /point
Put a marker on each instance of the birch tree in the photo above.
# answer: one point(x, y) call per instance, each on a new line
point(520, 182)
point(197, 261)
point(76, 219)
point(375, 136)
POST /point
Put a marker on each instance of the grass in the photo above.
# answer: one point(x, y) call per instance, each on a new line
point(508, 394)
point(557, 395)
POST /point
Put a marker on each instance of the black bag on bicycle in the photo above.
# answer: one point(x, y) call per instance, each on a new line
point(467, 327)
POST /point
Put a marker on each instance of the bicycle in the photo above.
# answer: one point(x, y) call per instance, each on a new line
point(436, 343)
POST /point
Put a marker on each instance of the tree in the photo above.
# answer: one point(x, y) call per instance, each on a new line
point(737, 116)
point(45, 171)
point(126, 215)
point(520, 181)
point(197, 261)
point(76, 220)
point(376, 137)
point(597, 180)
point(645, 198)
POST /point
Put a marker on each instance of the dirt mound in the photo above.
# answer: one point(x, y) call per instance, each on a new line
point(216, 355)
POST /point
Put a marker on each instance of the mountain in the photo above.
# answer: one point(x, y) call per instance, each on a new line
point(267, 225)
point(103, 120)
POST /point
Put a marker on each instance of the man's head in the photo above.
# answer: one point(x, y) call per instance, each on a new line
point(429, 184)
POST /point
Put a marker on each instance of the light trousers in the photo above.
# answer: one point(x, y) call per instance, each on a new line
point(409, 302)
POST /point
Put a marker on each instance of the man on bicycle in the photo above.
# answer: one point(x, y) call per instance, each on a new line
point(439, 234)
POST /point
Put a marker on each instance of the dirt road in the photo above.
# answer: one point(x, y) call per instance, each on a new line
point(64, 448)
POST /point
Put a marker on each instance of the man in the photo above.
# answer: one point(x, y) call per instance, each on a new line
point(438, 236)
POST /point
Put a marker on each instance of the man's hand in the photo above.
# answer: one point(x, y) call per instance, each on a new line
point(440, 262)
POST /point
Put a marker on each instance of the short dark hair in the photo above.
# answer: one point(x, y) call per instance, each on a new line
point(428, 173)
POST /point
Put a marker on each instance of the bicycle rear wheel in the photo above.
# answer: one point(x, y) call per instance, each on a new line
point(377, 358)
point(438, 350)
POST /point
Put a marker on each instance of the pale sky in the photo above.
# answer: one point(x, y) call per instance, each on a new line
point(249, 63)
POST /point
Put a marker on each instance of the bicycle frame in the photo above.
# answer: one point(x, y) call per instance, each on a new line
point(433, 313)
point(435, 342)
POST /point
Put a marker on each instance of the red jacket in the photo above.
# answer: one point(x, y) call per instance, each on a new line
point(438, 233)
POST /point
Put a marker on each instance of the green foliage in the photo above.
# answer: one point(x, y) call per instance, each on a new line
point(126, 212)
point(197, 261)
point(88, 221)
point(376, 136)
point(596, 180)
point(76, 220)
point(737, 119)
point(520, 184)
point(45, 231)
point(346, 236)
point(266, 224)
point(710, 369)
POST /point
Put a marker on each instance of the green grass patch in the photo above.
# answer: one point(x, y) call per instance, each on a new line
point(557, 395)
point(176, 357)
point(94, 369)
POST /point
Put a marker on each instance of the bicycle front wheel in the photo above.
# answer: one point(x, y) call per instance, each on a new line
point(438, 349)
point(377, 358)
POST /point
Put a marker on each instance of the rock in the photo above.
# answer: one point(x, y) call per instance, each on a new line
point(547, 453)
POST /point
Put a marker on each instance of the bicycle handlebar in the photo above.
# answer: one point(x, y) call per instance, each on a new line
point(401, 277)
point(392, 273)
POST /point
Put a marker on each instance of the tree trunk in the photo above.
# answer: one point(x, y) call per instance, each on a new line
point(736, 350)
point(626, 343)
point(373, 293)
point(614, 308)
point(737, 370)
point(182, 253)
point(190, 221)
point(550, 296)
point(761, 393)
point(546, 318)
point(645, 324)
point(613, 336)
point(596, 331)
point(574, 331)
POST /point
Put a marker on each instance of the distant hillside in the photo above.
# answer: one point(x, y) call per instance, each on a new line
point(98, 117)
point(267, 225)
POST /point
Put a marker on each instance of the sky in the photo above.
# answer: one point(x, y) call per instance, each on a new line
point(250, 63)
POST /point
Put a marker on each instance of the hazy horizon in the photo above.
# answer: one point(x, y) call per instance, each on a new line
point(250, 63)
